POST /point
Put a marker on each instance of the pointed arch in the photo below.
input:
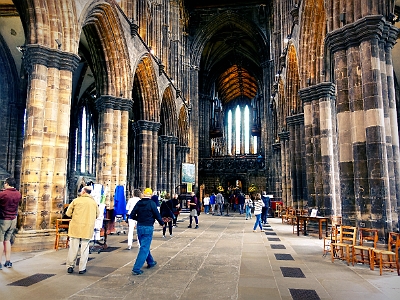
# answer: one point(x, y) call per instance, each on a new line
point(111, 65)
point(220, 21)
point(168, 118)
point(146, 88)
point(312, 36)
point(183, 127)
point(293, 105)
point(55, 23)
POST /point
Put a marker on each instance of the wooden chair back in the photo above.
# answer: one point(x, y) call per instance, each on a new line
point(368, 237)
point(348, 235)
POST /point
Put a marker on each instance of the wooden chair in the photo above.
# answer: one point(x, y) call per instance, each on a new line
point(278, 211)
point(289, 216)
point(368, 238)
point(347, 239)
point(387, 259)
point(332, 238)
point(62, 238)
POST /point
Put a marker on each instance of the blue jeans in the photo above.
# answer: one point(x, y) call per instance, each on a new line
point(206, 209)
point(248, 212)
point(145, 236)
point(258, 222)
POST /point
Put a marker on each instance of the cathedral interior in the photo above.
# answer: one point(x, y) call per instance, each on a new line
point(297, 98)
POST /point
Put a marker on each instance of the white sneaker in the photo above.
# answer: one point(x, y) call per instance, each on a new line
point(129, 247)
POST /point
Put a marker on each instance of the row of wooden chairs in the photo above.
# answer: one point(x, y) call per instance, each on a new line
point(343, 246)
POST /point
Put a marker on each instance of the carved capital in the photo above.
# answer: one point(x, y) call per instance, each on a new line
point(322, 90)
point(51, 58)
point(143, 125)
point(107, 102)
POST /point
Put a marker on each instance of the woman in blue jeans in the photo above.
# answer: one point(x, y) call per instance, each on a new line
point(258, 205)
point(248, 204)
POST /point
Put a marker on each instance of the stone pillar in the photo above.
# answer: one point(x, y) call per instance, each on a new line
point(296, 129)
point(112, 143)
point(45, 147)
point(361, 53)
point(163, 161)
point(194, 120)
point(173, 174)
point(286, 177)
point(145, 133)
point(321, 140)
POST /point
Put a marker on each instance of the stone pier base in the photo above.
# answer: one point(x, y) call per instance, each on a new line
point(34, 240)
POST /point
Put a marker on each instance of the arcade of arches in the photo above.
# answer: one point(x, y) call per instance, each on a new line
point(297, 97)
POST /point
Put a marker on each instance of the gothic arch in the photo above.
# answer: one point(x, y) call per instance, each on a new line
point(47, 26)
point(147, 89)
point(183, 127)
point(293, 103)
point(312, 35)
point(221, 21)
point(168, 117)
point(111, 65)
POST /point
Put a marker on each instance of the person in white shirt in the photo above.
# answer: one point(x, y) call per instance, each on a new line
point(258, 205)
point(206, 203)
point(132, 223)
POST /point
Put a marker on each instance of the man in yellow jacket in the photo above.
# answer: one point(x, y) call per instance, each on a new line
point(83, 211)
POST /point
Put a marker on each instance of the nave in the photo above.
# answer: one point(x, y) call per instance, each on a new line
point(223, 259)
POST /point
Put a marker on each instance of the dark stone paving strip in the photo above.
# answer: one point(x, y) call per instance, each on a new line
point(280, 256)
point(28, 281)
point(298, 294)
point(272, 239)
point(270, 233)
point(278, 246)
point(292, 272)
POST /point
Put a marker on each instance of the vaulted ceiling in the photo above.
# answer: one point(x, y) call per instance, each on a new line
point(231, 58)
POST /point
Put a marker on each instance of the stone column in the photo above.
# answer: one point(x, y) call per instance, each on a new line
point(173, 174)
point(295, 124)
point(362, 54)
point(145, 132)
point(194, 120)
point(44, 163)
point(320, 138)
point(163, 160)
point(286, 162)
point(112, 143)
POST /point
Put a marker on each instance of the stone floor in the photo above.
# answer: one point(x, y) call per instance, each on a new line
point(223, 259)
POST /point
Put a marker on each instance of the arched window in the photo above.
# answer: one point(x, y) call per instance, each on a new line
point(85, 143)
point(239, 138)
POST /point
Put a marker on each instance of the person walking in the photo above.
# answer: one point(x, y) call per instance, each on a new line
point(248, 204)
point(177, 208)
point(219, 200)
point(145, 213)
point(206, 203)
point(83, 212)
point(212, 203)
point(166, 212)
point(132, 223)
point(258, 205)
point(264, 213)
point(194, 207)
point(241, 201)
point(9, 200)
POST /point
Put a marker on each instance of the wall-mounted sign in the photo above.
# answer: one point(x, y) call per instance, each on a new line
point(188, 173)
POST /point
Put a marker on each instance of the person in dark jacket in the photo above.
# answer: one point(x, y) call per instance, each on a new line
point(9, 200)
point(145, 213)
point(167, 214)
